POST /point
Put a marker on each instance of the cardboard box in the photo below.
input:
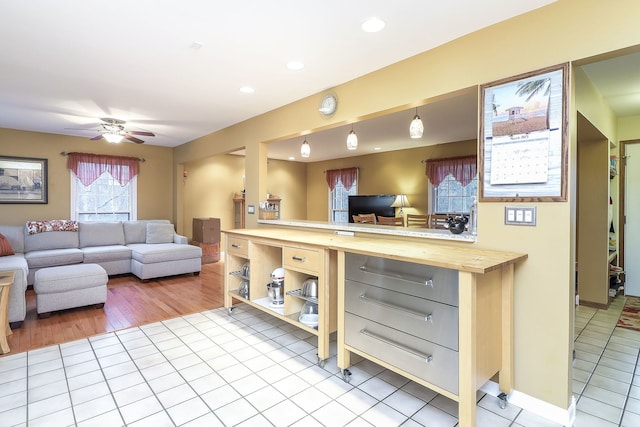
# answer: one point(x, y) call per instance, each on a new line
point(210, 251)
point(206, 230)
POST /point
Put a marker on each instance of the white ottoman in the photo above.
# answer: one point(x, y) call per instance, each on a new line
point(69, 286)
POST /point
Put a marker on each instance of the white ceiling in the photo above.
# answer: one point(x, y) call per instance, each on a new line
point(66, 63)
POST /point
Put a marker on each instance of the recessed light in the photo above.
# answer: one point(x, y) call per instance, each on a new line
point(295, 65)
point(196, 45)
point(292, 158)
point(247, 89)
point(373, 25)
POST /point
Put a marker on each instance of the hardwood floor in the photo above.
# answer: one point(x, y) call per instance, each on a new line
point(130, 302)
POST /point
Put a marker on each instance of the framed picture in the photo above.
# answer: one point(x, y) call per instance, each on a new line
point(23, 180)
point(523, 132)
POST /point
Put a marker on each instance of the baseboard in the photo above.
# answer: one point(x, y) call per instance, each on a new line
point(565, 417)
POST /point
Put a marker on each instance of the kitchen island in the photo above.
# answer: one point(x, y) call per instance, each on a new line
point(462, 326)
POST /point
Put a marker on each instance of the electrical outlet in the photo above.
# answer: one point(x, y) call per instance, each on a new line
point(520, 215)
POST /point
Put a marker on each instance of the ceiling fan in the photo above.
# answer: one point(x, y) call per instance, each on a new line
point(114, 132)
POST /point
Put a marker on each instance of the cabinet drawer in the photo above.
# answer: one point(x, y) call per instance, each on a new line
point(238, 246)
point(424, 281)
point(426, 319)
point(306, 259)
point(431, 362)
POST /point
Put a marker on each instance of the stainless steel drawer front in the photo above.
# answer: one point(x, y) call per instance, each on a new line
point(425, 281)
point(420, 317)
point(424, 359)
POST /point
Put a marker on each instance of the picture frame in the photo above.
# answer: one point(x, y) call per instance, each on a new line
point(23, 180)
point(523, 134)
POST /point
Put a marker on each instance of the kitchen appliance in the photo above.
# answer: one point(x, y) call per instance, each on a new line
point(309, 314)
point(243, 290)
point(275, 289)
point(310, 287)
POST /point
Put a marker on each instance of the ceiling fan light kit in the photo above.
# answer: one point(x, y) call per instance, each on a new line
point(113, 138)
point(114, 132)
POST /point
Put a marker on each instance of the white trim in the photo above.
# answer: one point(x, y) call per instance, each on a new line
point(565, 417)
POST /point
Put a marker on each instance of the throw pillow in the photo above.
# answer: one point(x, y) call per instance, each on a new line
point(5, 246)
point(160, 233)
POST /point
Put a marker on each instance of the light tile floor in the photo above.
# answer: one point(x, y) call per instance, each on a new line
point(249, 369)
point(606, 369)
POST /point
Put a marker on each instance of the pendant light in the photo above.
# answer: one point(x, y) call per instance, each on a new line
point(352, 140)
point(416, 128)
point(305, 149)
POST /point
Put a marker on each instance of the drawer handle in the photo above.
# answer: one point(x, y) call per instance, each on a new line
point(235, 245)
point(413, 313)
point(297, 258)
point(414, 279)
point(428, 358)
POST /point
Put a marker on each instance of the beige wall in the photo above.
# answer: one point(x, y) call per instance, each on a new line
point(566, 30)
point(211, 183)
point(155, 185)
point(393, 172)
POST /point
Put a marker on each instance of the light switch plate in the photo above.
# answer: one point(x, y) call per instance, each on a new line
point(251, 209)
point(520, 215)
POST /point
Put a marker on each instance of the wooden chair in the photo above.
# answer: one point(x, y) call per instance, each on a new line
point(437, 221)
point(391, 220)
point(417, 220)
point(364, 218)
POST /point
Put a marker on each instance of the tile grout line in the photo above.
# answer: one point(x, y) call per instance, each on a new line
point(597, 363)
point(626, 399)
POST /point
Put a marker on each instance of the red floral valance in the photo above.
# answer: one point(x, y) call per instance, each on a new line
point(88, 167)
point(463, 169)
point(347, 176)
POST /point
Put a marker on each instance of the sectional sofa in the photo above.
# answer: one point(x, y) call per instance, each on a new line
point(148, 249)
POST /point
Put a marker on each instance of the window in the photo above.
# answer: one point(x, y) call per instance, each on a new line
point(103, 188)
point(103, 200)
point(453, 197)
point(454, 184)
point(342, 183)
point(339, 202)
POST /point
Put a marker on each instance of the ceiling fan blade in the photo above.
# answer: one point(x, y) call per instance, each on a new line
point(133, 139)
point(135, 132)
point(96, 138)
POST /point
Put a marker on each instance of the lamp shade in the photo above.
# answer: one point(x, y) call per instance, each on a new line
point(352, 140)
point(113, 137)
point(416, 128)
point(305, 149)
point(401, 201)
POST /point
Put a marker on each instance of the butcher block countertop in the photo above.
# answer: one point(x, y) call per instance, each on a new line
point(459, 258)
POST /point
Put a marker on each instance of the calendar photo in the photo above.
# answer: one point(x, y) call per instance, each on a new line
point(522, 137)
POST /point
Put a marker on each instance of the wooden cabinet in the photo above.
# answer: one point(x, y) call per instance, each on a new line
point(300, 261)
point(439, 315)
point(238, 210)
point(440, 324)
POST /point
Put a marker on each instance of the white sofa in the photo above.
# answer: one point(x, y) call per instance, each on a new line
point(148, 249)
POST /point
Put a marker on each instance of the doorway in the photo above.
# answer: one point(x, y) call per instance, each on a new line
point(629, 217)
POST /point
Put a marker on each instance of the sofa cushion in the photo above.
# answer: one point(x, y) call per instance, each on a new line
point(161, 252)
point(54, 257)
point(136, 231)
point(98, 254)
point(50, 240)
point(15, 236)
point(101, 234)
point(159, 233)
point(5, 246)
